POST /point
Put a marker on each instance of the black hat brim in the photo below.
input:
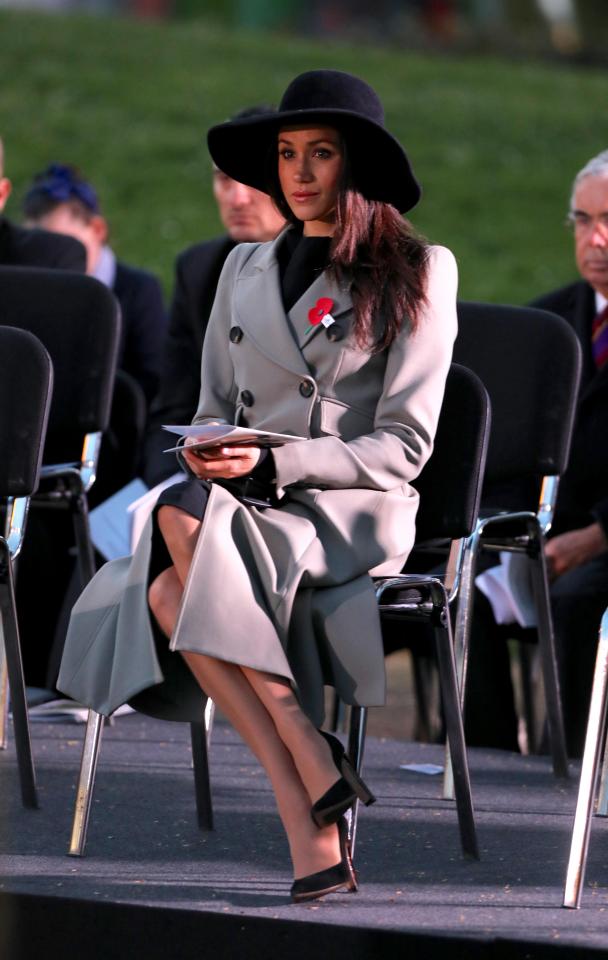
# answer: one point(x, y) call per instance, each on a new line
point(379, 165)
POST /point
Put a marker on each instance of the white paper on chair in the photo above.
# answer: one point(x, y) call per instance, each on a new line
point(508, 588)
point(116, 524)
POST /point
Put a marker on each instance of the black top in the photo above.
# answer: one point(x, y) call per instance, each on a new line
point(301, 260)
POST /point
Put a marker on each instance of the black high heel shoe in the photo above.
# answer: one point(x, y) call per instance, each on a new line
point(341, 876)
point(341, 795)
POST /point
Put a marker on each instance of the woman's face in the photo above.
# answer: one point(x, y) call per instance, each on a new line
point(311, 161)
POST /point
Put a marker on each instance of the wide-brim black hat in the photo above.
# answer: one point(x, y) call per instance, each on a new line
point(378, 163)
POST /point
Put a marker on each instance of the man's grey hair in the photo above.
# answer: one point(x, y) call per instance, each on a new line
point(596, 167)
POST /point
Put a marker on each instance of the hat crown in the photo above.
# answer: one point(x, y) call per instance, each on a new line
point(328, 90)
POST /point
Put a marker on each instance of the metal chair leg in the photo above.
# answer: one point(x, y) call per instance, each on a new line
point(421, 689)
point(337, 713)
point(86, 782)
point(462, 632)
point(16, 682)
point(586, 791)
point(546, 643)
point(450, 695)
point(209, 717)
point(355, 748)
point(527, 661)
point(202, 786)
point(3, 694)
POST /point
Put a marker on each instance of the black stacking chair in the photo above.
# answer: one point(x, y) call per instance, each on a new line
point(26, 377)
point(449, 488)
point(121, 449)
point(595, 738)
point(78, 320)
point(529, 362)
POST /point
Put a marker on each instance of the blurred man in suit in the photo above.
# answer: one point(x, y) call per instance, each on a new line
point(577, 550)
point(248, 215)
point(34, 248)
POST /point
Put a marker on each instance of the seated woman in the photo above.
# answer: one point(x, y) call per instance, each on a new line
point(339, 331)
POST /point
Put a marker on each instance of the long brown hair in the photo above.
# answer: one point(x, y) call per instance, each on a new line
point(379, 252)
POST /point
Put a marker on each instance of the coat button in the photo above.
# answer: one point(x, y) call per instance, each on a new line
point(306, 388)
point(236, 334)
point(247, 398)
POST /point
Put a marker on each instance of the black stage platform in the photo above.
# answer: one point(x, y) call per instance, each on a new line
point(153, 886)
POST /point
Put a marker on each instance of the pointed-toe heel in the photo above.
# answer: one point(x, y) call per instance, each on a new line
point(339, 877)
point(343, 793)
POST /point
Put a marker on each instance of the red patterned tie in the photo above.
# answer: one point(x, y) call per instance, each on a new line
point(599, 338)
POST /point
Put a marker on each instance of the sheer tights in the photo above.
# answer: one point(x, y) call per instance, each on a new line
point(261, 707)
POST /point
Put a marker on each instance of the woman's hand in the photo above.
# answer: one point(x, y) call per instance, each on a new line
point(221, 463)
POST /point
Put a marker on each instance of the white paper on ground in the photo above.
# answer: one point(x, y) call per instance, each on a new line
point(429, 768)
point(508, 587)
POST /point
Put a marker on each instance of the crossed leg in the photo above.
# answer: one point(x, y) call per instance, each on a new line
point(263, 710)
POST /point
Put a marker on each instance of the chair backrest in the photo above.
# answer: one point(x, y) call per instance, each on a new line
point(120, 454)
point(26, 380)
point(529, 361)
point(78, 320)
point(450, 483)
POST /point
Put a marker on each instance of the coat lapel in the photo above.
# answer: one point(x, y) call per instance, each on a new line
point(323, 286)
point(261, 314)
point(260, 311)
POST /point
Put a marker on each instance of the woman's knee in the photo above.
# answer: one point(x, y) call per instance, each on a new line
point(179, 530)
point(164, 592)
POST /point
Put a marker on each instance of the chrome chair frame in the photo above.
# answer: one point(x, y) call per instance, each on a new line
point(11, 666)
point(537, 389)
point(427, 597)
point(72, 481)
point(30, 394)
point(529, 540)
point(594, 738)
point(200, 739)
point(433, 606)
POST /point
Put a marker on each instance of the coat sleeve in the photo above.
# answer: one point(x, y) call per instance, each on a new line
point(408, 408)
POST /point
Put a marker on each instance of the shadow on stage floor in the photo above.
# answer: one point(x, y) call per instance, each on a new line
point(152, 885)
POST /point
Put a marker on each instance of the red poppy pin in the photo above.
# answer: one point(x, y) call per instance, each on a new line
point(320, 313)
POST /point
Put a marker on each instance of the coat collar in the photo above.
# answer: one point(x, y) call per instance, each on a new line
point(259, 295)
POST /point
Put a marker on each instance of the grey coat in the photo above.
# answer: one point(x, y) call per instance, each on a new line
point(287, 589)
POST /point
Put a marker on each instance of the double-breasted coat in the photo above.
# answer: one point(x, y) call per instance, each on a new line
point(287, 589)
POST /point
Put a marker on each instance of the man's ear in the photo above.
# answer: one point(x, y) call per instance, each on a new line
point(99, 226)
point(5, 191)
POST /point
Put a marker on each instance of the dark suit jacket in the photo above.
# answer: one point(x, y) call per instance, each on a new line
point(197, 271)
point(144, 326)
point(20, 247)
point(583, 491)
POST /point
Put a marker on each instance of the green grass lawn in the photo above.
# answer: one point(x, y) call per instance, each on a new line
point(495, 143)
